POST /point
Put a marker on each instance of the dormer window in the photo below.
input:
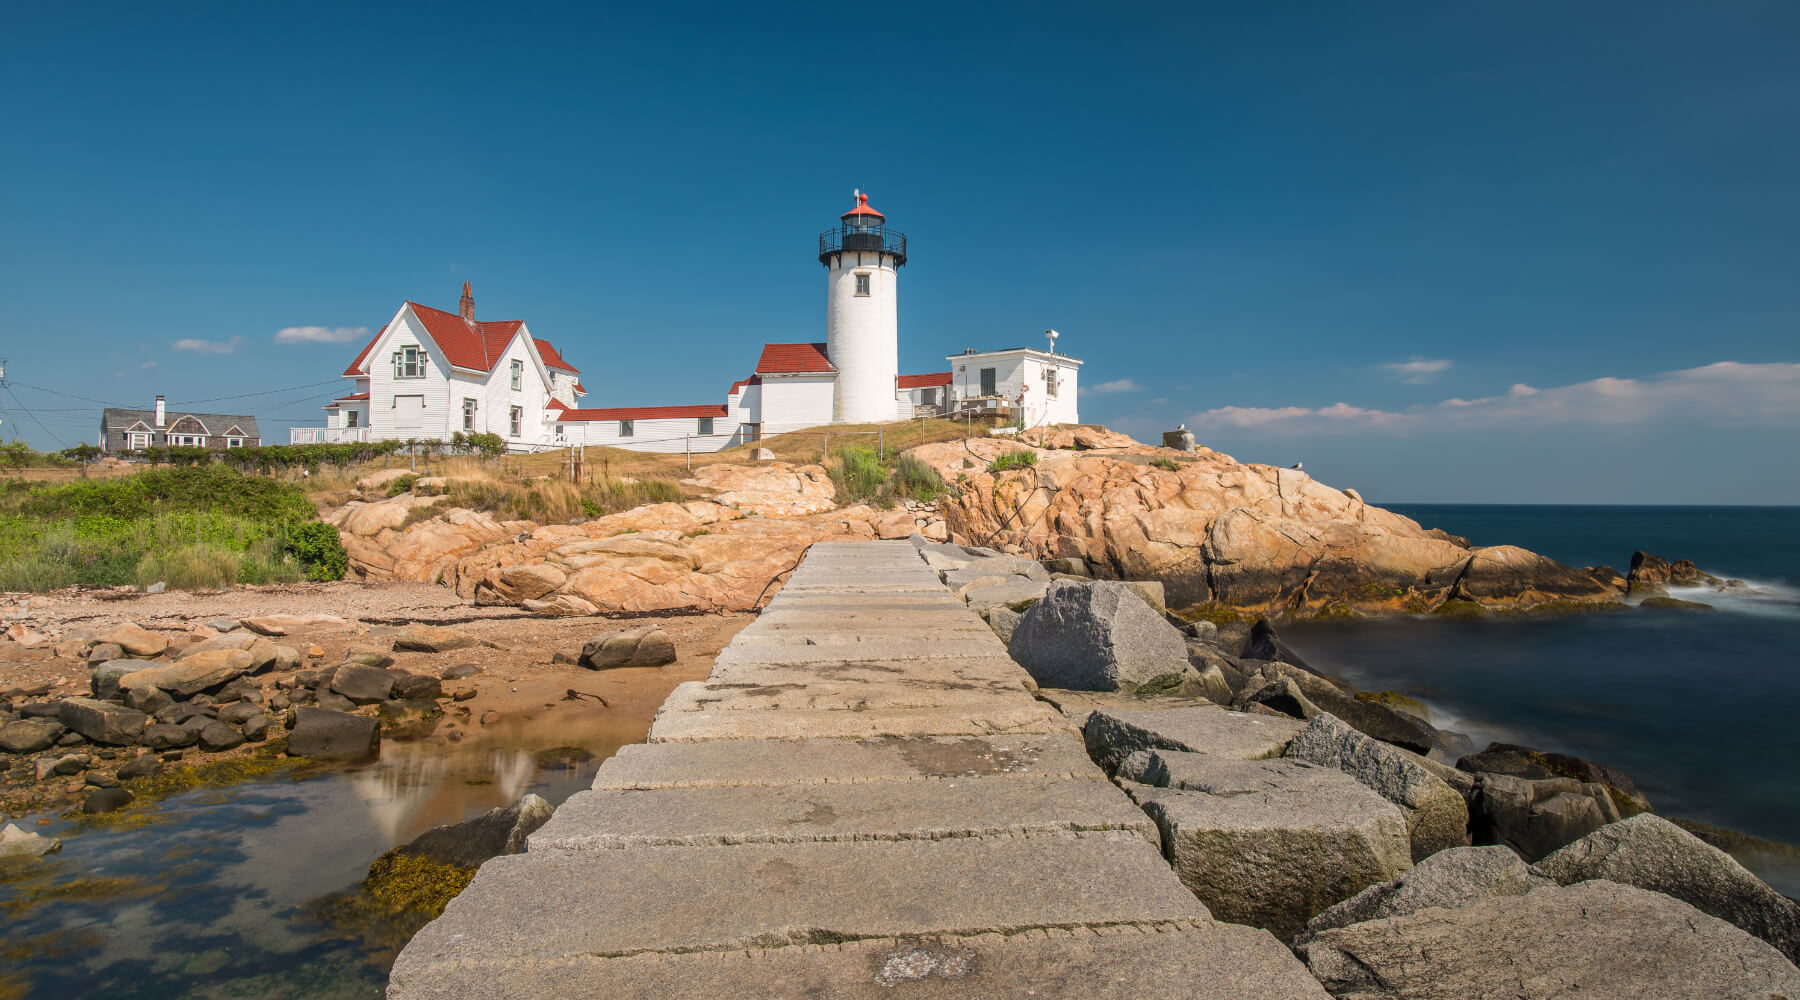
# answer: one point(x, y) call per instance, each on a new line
point(409, 362)
point(862, 283)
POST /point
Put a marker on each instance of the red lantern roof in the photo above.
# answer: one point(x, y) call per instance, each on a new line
point(862, 208)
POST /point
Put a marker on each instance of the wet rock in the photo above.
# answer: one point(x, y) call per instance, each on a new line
point(1649, 574)
point(410, 687)
point(433, 639)
point(136, 640)
point(493, 833)
point(1652, 853)
point(30, 735)
point(17, 843)
point(644, 646)
point(328, 735)
point(1508, 575)
point(104, 681)
point(1271, 843)
point(105, 800)
point(146, 766)
point(1437, 818)
point(1098, 636)
point(1597, 939)
point(1673, 604)
point(1452, 879)
point(168, 736)
point(217, 737)
point(362, 685)
point(102, 721)
point(410, 720)
point(188, 677)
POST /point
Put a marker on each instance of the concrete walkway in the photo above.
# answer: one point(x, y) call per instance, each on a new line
point(863, 800)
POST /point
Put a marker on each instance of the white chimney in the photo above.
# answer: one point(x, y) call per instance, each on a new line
point(159, 413)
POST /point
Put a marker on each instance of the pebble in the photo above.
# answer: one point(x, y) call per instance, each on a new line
point(100, 779)
point(463, 694)
point(490, 717)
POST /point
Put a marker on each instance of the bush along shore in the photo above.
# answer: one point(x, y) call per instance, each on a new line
point(1395, 858)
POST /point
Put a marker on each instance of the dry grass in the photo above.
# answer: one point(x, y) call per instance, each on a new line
point(52, 474)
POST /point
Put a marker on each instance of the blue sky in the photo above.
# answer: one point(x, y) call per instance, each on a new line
point(1495, 252)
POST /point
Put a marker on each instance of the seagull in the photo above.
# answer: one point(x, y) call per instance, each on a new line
point(1296, 465)
point(1183, 427)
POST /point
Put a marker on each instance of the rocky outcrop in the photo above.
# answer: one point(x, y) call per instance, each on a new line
point(1461, 876)
point(1078, 438)
point(644, 646)
point(775, 490)
point(1595, 939)
point(1248, 536)
point(1098, 637)
point(327, 735)
point(1437, 818)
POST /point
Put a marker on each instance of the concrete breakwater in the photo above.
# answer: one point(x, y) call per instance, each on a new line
point(864, 799)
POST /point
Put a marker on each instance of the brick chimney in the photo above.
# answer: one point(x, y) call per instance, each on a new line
point(159, 413)
point(468, 304)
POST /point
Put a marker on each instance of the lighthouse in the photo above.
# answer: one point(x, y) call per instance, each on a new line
point(862, 259)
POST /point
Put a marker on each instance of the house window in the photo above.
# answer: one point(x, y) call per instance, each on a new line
point(409, 362)
point(625, 428)
point(234, 442)
point(518, 421)
point(469, 414)
point(518, 374)
point(139, 441)
point(988, 385)
point(352, 418)
point(862, 283)
point(187, 440)
point(928, 397)
point(559, 430)
point(1050, 382)
point(705, 425)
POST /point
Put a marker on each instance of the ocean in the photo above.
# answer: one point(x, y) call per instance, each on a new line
point(1702, 710)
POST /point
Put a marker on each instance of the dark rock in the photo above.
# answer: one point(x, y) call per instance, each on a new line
point(331, 701)
point(100, 779)
point(644, 646)
point(1534, 818)
point(369, 657)
point(278, 702)
point(70, 740)
point(1320, 694)
point(408, 720)
point(433, 639)
point(1451, 879)
point(256, 728)
point(1655, 854)
point(313, 678)
point(1649, 574)
point(148, 700)
point(216, 737)
point(1098, 636)
point(461, 670)
point(493, 833)
point(145, 766)
point(329, 735)
point(163, 736)
point(1683, 573)
point(176, 713)
point(363, 685)
point(30, 735)
point(1508, 575)
point(409, 687)
point(102, 721)
point(203, 701)
point(41, 710)
point(1536, 765)
point(1673, 604)
point(242, 689)
point(105, 800)
point(196, 723)
point(104, 681)
point(100, 652)
point(171, 756)
point(1264, 644)
point(65, 765)
point(237, 713)
point(1437, 817)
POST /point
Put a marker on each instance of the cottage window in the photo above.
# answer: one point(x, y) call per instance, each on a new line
point(468, 414)
point(352, 417)
point(988, 383)
point(928, 397)
point(234, 442)
point(187, 440)
point(518, 421)
point(518, 374)
point(625, 428)
point(705, 425)
point(862, 283)
point(140, 440)
point(409, 362)
point(1050, 382)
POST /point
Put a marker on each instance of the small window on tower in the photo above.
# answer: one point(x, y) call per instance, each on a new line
point(862, 283)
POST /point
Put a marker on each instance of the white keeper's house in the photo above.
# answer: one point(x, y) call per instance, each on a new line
point(429, 374)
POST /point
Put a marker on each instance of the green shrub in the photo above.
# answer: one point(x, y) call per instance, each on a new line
point(35, 573)
point(320, 552)
point(1166, 464)
point(404, 484)
point(916, 480)
point(192, 567)
point(1018, 458)
point(860, 476)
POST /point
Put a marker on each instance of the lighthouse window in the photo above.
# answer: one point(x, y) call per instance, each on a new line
point(988, 387)
point(625, 428)
point(1050, 382)
point(705, 426)
point(862, 283)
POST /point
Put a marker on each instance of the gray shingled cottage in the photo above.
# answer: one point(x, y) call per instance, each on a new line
point(135, 430)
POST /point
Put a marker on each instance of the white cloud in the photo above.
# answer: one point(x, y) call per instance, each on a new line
point(320, 334)
point(148, 364)
point(1117, 385)
point(1417, 371)
point(1726, 393)
point(207, 346)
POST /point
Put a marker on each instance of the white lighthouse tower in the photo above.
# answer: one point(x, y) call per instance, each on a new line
point(862, 259)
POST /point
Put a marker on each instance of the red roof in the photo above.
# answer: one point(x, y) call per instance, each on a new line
point(645, 412)
point(551, 358)
point(580, 390)
point(556, 404)
point(793, 359)
point(474, 347)
point(922, 381)
point(862, 208)
point(346, 399)
point(740, 383)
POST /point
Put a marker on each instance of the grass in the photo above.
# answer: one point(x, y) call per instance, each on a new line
point(1166, 464)
point(553, 501)
point(916, 480)
point(191, 528)
point(1018, 458)
point(861, 476)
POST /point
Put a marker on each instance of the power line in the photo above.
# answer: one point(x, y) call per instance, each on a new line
point(33, 416)
point(70, 395)
point(246, 395)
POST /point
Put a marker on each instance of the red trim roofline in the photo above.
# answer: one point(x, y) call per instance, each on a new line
point(645, 413)
point(924, 381)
